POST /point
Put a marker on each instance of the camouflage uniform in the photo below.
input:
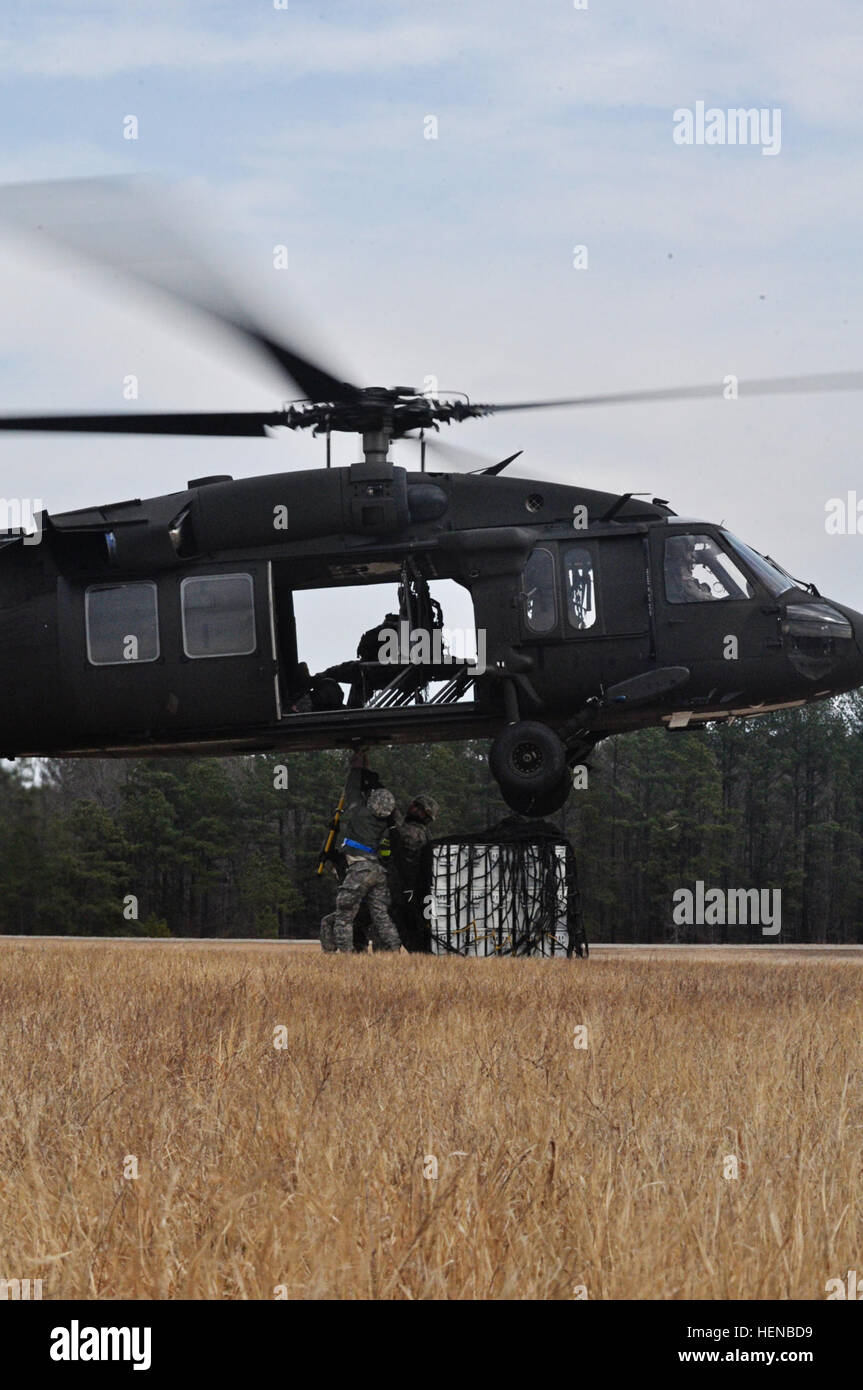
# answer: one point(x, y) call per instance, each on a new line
point(365, 881)
point(410, 838)
point(365, 823)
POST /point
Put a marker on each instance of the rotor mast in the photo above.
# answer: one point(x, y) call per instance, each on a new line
point(376, 444)
point(376, 426)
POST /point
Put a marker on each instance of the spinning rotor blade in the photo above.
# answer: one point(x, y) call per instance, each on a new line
point(237, 423)
point(116, 224)
point(765, 386)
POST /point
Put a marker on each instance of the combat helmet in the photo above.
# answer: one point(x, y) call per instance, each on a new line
point(381, 802)
point(428, 804)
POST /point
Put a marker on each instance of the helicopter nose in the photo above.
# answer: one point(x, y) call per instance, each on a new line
point(856, 657)
point(825, 639)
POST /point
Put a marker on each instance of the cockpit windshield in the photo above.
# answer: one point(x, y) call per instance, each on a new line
point(772, 577)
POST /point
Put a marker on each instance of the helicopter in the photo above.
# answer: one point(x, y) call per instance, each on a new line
point(166, 625)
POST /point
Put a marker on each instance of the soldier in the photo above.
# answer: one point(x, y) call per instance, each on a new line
point(328, 940)
point(409, 839)
point(365, 822)
point(681, 562)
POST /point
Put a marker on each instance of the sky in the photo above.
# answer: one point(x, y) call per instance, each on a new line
point(453, 258)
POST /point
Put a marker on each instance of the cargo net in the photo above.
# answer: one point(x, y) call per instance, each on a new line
point(511, 890)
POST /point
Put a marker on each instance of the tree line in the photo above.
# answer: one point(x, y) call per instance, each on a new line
point(229, 847)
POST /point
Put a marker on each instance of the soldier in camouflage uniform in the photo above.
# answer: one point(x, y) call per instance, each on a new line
point(328, 940)
point(365, 822)
point(409, 839)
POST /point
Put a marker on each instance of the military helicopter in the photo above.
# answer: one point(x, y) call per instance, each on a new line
point(166, 625)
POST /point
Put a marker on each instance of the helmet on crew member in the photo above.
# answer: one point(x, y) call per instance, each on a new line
point(426, 804)
point(381, 802)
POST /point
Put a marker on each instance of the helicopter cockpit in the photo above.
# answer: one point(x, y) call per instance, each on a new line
point(775, 579)
point(816, 634)
point(706, 565)
point(697, 570)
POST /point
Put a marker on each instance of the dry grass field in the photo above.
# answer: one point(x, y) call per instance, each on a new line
point(303, 1167)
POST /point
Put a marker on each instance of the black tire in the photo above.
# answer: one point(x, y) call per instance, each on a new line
point(544, 805)
point(528, 762)
point(555, 799)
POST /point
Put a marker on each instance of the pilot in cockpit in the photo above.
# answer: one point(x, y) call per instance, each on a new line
point(681, 561)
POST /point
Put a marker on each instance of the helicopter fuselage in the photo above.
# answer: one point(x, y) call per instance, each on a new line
point(167, 625)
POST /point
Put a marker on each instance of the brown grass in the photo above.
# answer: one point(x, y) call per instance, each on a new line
point(304, 1167)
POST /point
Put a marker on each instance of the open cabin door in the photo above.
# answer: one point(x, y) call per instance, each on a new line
point(191, 651)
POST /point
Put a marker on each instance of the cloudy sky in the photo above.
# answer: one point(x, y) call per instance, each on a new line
point(452, 257)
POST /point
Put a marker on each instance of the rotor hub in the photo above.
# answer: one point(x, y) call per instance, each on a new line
point(397, 410)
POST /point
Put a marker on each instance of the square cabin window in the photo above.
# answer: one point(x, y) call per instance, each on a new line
point(218, 615)
point(122, 623)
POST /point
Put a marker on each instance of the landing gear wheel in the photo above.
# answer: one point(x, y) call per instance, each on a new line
point(553, 800)
point(528, 762)
point(544, 805)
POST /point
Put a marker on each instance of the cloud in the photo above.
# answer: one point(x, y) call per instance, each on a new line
point(89, 48)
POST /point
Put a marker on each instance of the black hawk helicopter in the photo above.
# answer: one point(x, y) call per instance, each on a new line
point(167, 624)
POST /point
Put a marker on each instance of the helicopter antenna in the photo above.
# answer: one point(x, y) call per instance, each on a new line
point(619, 504)
point(497, 468)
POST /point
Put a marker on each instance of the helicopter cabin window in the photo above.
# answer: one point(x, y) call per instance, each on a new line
point(580, 588)
point(122, 623)
point(218, 615)
point(697, 570)
point(540, 609)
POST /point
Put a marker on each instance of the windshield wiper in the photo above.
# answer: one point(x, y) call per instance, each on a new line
point(801, 583)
